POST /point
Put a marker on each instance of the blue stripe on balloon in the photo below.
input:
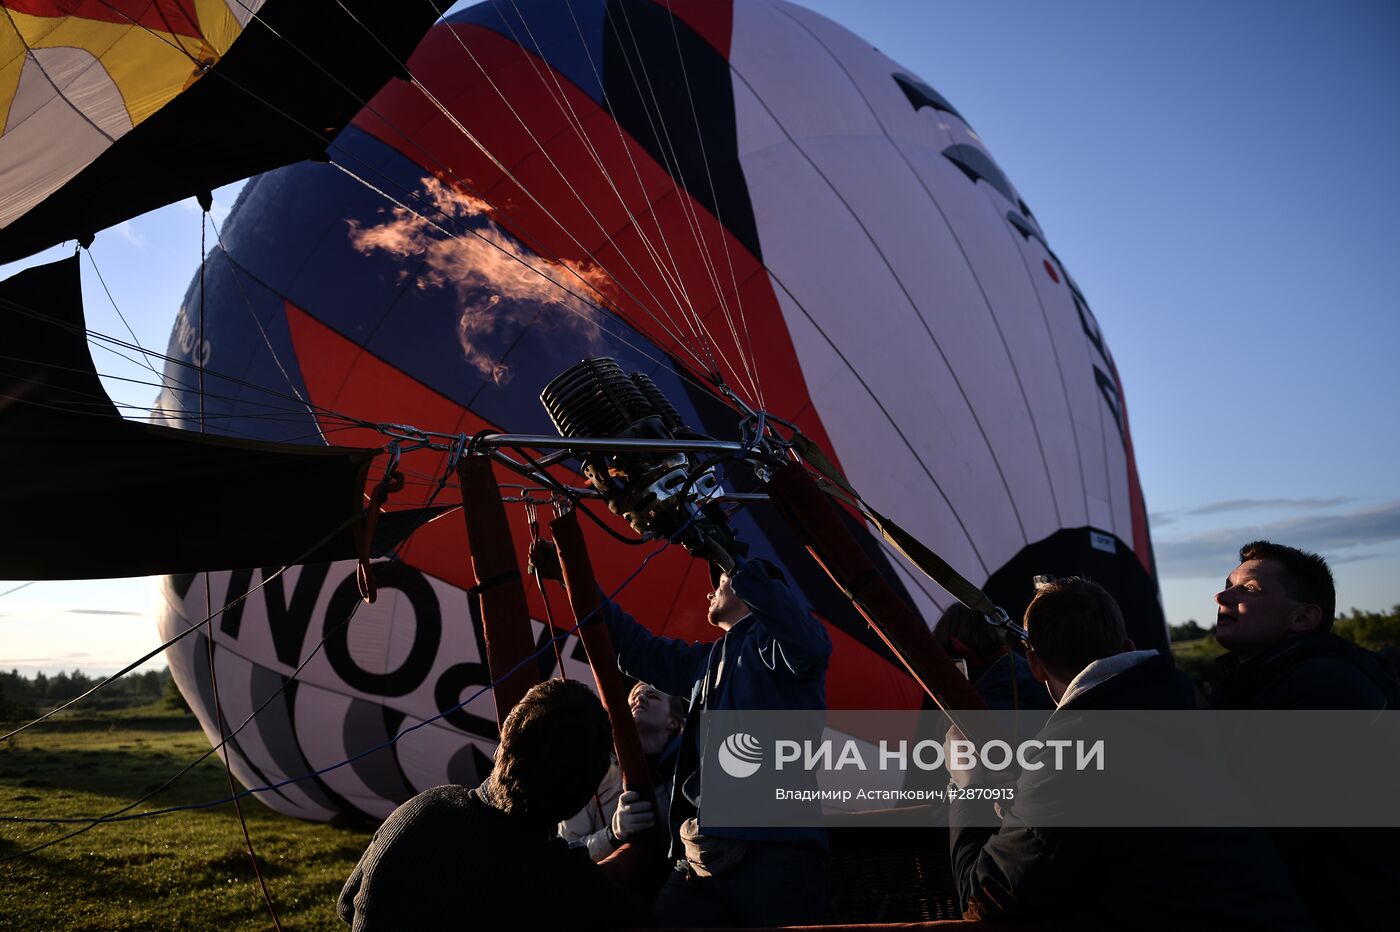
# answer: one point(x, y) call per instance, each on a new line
point(292, 229)
point(566, 42)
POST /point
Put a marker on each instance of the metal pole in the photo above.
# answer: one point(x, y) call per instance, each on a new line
point(610, 444)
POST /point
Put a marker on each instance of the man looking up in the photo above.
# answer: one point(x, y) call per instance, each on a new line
point(1275, 616)
point(612, 816)
point(772, 655)
point(1106, 877)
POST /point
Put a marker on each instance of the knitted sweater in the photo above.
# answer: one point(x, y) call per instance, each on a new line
point(447, 860)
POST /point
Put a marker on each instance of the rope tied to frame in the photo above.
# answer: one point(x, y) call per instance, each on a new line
point(543, 563)
point(392, 482)
point(543, 555)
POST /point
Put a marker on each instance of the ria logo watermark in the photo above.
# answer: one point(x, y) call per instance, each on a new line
point(1177, 768)
point(741, 755)
point(962, 754)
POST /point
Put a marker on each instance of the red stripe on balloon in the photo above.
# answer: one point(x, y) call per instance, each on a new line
point(1142, 542)
point(584, 203)
point(342, 375)
point(713, 20)
point(168, 16)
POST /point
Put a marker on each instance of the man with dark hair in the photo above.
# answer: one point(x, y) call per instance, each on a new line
point(1078, 639)
point(453, 857)
point(996, 670)
point(772, 655)
point(1275, 617)
point(1106, 877)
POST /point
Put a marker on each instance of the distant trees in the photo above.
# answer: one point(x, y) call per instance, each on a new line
point(1195, 647)
point(1187, 631)
point(173, 698)
point(1372, 630)
point(11, 709)
point(21, 696)
point(1196, 658)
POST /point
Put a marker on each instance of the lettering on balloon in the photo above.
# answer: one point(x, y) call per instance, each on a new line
point(427, 619)
point(287, 621)
point(186, 337)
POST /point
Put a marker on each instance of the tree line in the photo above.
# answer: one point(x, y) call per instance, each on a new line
point(1195, 648)
point(22, 696)
point(1372, 630)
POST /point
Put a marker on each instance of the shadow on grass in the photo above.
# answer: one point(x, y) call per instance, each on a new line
point(102, 722)
point(124, 774)
point(130, 876)
point(43, 783)
point(354, 822)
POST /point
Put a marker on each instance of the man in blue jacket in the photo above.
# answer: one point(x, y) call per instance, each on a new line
point(773, 655)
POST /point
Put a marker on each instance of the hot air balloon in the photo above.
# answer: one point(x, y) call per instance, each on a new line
point(741, 200)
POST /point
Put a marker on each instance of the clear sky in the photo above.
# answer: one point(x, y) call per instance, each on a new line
point(1219, 178)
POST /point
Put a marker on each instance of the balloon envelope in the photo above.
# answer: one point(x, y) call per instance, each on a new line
point(695, 187)
point(112, 108)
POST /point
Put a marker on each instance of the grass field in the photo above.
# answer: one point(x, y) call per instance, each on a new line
point(186, 870)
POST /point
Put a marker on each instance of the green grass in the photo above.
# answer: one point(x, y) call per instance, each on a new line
point(186, 870)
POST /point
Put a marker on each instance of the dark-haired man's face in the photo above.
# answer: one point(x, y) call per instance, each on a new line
point(726, 608)
point(1254, 611)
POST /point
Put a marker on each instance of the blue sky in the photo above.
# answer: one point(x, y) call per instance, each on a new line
point(1219, 177)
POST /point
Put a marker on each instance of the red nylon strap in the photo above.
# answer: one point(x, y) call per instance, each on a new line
point(364, 573)
point(505, 616)
point(582, 587)
point(640, 864)
point(811, 514)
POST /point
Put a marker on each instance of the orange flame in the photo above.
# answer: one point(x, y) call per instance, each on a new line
point(503, 287)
